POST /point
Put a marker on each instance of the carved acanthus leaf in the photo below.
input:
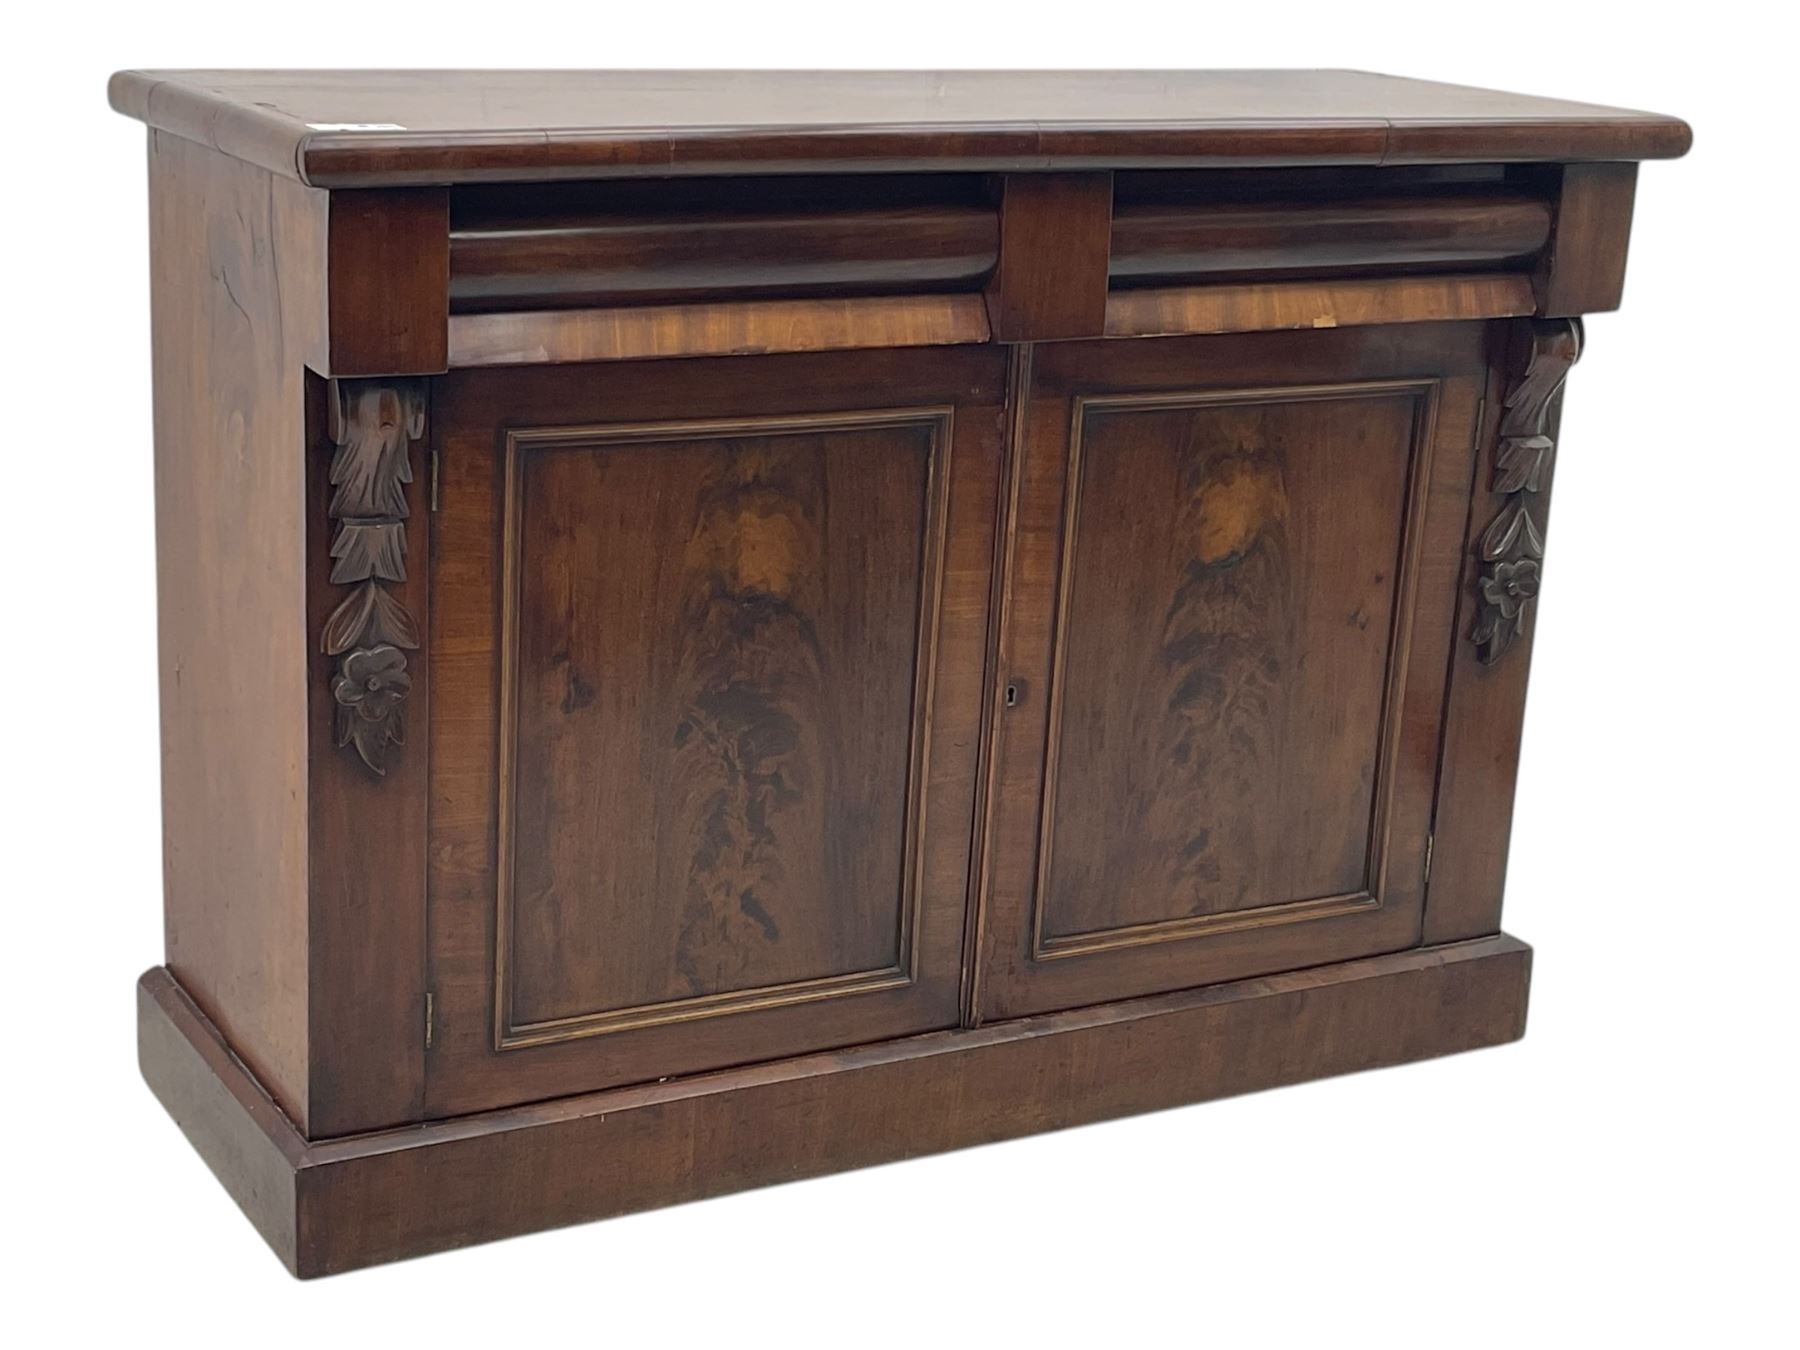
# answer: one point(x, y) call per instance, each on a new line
point(1512, 546)
point(1523, 463)
point(1512, 531)
point(1555, 347)
point(372, 424)
point(367, 617)
point(369, 548)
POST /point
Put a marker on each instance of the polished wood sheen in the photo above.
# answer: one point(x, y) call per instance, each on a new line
point(1264, 306)
point(727, 328)
point(1583, 270)
point(722, 626)
point(763, 686)
point(1230, 586)
point(1050, 279)
point(390, 252)
point(1222, 760)
point(1484, 717)
point(387, 128)
point(665, 241)
point(757, 589)
point(229, 296)
point(1161, 243)
point(670, 240)
point(335, 1205)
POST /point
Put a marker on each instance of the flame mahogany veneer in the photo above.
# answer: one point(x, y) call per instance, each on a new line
point(719, 627)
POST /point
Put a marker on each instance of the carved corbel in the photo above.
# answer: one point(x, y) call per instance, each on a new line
point(1512, 546)
point(372, 424)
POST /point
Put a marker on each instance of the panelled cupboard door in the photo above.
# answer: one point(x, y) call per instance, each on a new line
point(708, 642)
point(1228, 602)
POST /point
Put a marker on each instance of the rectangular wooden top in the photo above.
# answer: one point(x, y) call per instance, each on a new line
point(384, 128)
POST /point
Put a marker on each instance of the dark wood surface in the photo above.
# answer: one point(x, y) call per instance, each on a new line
point(434, 127)
point(237, 302)
point(1347, 302)
point(671, 240)
point(1484, 713)
point(390, 273)
point(293, 888)
point(610, 261)
point(719, 626)
point(1583, 269)
point(1228, 605)
point(334, 1206)
point(731, 615)
point(605, 258)
point(1455, 231)
point(1050, 279)
point(1223, 758)
point(366, 817)
point(719, 726)
point(722, 328)
point(253, 1146)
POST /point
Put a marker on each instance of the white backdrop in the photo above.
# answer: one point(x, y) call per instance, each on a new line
point(1623, 1176)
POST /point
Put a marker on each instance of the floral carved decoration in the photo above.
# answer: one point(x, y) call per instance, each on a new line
point(1512, 546)
point(372, 425)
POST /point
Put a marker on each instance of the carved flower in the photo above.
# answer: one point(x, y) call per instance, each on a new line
point(371, 681)
point(1508, 585)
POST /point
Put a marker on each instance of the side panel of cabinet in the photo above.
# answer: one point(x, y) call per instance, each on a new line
point(709, 641)
point(1229, 600)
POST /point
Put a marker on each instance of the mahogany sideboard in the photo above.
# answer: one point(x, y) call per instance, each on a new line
point(718, 627)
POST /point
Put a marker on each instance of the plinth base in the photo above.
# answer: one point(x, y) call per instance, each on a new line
point(333, 1205)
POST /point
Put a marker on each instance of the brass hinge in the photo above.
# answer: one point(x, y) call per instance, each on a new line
point(434, 477)
point(1430, 839)
point(429, 1010)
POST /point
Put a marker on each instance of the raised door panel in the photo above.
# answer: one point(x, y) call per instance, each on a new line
point(727, 620)
point(713, 682)
point(1228, 605)
point(1229, 602)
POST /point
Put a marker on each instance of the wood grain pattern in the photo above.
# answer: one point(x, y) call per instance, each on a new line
point(1223, 758)
point(1050, 280)
point(289, 910)
point(725, 328)
point(623, 644)
point(334, 1206)
point(766, 680)
point(372, 428)
point(683, 240)
point(366, 831)
point(1484, 713)
point(252, 1145)
point(1583, 269)
point(1272, 306)
point(1512, 545)
point(534, 126)
point(554, 246)
point(237, 306)
point(904, 720)
point(1272, 232)
point(1185, 706)
point(390, 277)
point(1002, 691)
